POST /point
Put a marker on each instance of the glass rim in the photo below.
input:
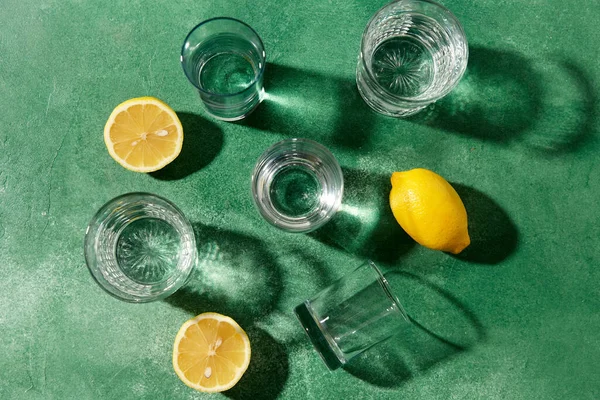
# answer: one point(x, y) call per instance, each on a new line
point(292, 140)
point(182, 276)
point(132, 194)
point(256, 78)
point(452, 18)
point(388, 290)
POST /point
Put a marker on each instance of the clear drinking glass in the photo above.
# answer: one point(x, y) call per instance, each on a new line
point(297, 185)
point(353, 314)
point(413, 52)
point(225, 60)
point(140, 247)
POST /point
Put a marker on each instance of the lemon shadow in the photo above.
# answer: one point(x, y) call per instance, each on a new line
point(202, 142)
point(268, 371)
point(494, 236)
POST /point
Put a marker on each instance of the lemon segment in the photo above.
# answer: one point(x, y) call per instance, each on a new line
point(143, 134)
point(211, 353)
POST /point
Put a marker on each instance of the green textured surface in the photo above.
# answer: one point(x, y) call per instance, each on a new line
point(516, 317)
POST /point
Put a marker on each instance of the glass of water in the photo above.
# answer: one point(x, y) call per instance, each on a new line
point(413, 53)
point(352, 315)
point(297, 185)
point(140, 247)
point(225, 60)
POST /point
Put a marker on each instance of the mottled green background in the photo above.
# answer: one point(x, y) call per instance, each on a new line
point(515, 317)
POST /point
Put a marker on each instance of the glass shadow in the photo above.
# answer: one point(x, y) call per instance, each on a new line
point(299, 100)
point(365, 225)
point(236, 275)
point(442, 327)
point(498, 98)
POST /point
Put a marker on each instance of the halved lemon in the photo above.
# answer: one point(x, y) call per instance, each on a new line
point(143, 134)
point(211, 352)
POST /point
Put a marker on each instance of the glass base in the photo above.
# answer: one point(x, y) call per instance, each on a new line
point(231, 115)
point(320, 341)
point(220, 109)
point(379, 101)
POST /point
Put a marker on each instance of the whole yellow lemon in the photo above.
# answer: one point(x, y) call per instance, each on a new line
point(428, 208)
